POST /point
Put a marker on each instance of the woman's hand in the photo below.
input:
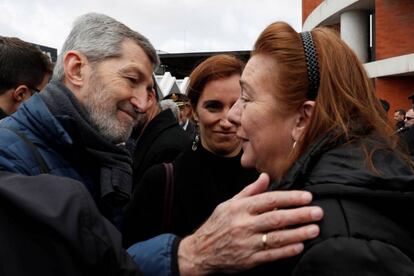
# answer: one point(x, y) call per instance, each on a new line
point(250, 229)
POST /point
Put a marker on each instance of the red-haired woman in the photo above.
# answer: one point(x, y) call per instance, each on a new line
point(309, 117)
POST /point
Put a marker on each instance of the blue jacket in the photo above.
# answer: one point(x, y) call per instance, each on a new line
point(54, 143)
point(34, 121)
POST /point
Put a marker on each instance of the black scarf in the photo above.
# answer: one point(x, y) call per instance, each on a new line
point(2, 114)
point(114, 161)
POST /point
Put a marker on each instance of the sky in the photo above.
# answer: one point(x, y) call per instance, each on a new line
point(173, 26)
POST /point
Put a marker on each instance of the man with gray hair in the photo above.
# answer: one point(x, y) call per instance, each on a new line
point(80, 120)
point(170, 104)
point(77, 128)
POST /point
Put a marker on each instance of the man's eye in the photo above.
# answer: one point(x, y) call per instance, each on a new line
point(132, 80)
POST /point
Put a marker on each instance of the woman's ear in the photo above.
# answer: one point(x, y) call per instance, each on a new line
point(303, 119)
point(195, 116)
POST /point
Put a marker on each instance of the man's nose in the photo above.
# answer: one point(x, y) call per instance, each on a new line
point(137, 105)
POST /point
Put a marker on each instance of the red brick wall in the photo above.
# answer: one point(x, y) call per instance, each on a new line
point(396, 91)
point(308, 6)
point(394, 37)
point(394, 28)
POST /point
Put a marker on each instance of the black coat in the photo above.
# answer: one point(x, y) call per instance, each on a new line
point(162, 141)
point(367, 227)
point(50, 225)
point(191, 129)
point(202, 180)
point(407, 137)
point(2, 114)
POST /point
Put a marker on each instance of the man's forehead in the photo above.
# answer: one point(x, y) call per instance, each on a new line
point(136, 69)
point(136, 56)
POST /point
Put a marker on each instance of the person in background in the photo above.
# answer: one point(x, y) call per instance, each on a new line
point(77, 128)
point(407, 132)
point(399, 117)
point(186, 113)
point(24, 70)
point(311, 126)
point(170, 104)
point(409, 118)
point(207, 173)
point(186, 117)
point(156, 138)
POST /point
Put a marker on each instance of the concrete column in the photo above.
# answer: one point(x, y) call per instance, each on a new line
point(355, 32)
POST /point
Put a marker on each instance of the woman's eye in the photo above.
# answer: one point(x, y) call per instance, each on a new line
point(214, 107)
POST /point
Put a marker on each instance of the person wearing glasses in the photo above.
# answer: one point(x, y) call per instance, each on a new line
point(409, 118)
point(24, 70)
point(407, 132)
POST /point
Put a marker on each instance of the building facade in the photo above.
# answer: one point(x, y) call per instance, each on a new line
point(381, 33)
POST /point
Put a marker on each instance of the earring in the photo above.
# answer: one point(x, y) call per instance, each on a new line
point(195, 142)
point(294, 145)
point(196, 138)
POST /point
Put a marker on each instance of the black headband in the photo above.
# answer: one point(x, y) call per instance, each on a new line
point(312, 64)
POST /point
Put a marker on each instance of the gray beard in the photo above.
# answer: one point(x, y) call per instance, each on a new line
point(103, 114)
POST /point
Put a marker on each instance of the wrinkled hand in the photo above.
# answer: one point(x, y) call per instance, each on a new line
point(231, 239)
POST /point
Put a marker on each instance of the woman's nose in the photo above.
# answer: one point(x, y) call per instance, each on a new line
point(235, 113)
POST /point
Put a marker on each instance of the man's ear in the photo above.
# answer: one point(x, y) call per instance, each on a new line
point(152, 97)
point(303, 119)
point(74, 66)
point(21, 93)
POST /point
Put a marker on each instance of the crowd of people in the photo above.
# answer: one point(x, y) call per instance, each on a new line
point(284, 165)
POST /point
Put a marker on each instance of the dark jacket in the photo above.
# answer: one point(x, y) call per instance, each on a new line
point(162, 140)
point(407, 137)
point(2, 114)
point(399, 125)
point(51, 226)
point(191, 129)
point(367, 228)
point(202, 180)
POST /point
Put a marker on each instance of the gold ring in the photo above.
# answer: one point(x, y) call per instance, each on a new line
point(264, 241)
